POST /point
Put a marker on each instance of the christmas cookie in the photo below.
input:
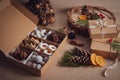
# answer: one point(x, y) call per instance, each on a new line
point(43, 46)
point(48, 52)
point(52, 47)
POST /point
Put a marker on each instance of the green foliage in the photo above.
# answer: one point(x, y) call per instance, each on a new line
point(65, 59)
point(83, 22)
point(116, 46)
point(95, 16)
point(61, 29)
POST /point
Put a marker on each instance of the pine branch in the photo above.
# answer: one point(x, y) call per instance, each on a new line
point(65, 59)
point(116, 46)
point(83, 22)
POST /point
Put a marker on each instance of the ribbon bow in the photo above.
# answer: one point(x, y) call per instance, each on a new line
point(102, 25)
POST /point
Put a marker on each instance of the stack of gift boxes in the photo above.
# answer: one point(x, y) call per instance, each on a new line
point(100, 32)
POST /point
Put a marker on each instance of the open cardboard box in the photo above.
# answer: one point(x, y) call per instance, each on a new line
point(14, 28)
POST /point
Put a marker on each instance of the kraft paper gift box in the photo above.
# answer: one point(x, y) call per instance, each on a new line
point(108, 29)
point(14, 31)
point(103, 48)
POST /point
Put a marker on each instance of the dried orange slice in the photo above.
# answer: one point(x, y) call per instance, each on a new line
point(93, 58)
point(83, 17)
point(100, 60)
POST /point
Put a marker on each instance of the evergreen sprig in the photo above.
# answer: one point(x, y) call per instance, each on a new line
point(83, 22)
point(116, 46)
point(65, 59)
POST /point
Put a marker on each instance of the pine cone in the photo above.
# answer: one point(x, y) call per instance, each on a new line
point(81, 52)
point(82, 56)
point(41, 9)
point(82, 60)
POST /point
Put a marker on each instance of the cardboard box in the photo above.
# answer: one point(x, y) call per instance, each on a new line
point(101, 47)
point(21, 7)
point(14, 28)
point(96, 32)
point(4, 4)
point(118, 28)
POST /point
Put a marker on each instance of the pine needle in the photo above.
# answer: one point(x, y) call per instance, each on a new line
point(65, 60)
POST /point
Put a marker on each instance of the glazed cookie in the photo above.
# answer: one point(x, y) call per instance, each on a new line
point(52, 47)
point(43, 46)
point(43, 32)
point(39, 59)
point(48, 52)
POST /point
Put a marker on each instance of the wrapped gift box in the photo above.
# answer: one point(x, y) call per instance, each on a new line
point(96, 32)
point(103, 48)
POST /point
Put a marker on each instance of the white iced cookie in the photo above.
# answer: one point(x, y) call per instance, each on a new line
point(39, 66)
point(33, 58)
point(37, 33)
point(43, 31)
point(34, 65)
point(48, 52)
point(38, 49)
point(43, 45)
point(47, 34)
point(29, 63)
point(39, 59)
point(52, 47)
point(33, 34)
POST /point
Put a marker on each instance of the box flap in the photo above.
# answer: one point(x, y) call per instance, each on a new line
point(14, 26)
point(21, 7)
point(4, 4)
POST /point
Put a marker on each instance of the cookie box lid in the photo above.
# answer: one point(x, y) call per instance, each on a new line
point(20, 5)
point(4, 4)
point(14, 26)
